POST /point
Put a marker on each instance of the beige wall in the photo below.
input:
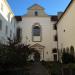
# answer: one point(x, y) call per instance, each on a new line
point(66, 28)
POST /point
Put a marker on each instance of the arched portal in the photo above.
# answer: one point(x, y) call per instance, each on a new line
point(39, 52)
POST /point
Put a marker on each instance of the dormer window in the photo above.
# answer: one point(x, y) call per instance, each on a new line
point(36, 13)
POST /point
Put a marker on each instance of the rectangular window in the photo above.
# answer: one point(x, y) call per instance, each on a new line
point(0, 24)
point(54, 27)
point(6, 29)
point(9, 16)
point(1, 6)
point(55, 57)
point(19, 32)
point(10, 33)
point(54, 50)
point(55, 38)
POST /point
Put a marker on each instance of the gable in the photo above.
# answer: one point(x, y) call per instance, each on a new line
point(37, 45)
point(35, 7)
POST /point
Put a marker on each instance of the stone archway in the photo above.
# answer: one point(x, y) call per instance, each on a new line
point(39, 51)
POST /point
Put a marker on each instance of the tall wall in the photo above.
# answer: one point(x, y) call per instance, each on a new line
point(47, 34)
point(66, 29)
point(8, 24)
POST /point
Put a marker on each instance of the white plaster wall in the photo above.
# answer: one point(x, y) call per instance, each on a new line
point(5, 21)
point(47, 33)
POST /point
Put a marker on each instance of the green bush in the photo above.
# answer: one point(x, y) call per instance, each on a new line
point(67, 58)
point(14, 55)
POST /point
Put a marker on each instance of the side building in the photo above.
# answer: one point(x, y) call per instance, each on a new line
point(66, 30)
point(7, 23)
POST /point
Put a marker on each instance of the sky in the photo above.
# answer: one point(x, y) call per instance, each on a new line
point(19, 7)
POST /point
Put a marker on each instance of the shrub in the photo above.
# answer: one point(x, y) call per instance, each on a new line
point(14, 55)
point(67, 58)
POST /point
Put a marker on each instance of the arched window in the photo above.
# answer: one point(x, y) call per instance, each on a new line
point(36, 30)
point(72, 50)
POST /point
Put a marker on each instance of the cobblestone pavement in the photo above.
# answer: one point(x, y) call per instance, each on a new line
point(38, 69)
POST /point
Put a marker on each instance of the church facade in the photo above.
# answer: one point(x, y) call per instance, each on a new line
point(38, 31)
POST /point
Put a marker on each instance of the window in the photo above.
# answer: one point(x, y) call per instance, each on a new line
point(36, 13)
point(55, 57)
point(0, 24)
point(54, 50)
point(72, 50)
point(9, 16)
point(14, 24)
point(10, 33)
point(55, 27)
point(36, 31)
point(67, 50)
point(55, 38)
point(6, 29)
point(1, 6)
point(11, 21)
point(64, 30)
point(64, 50)
point(19, 32)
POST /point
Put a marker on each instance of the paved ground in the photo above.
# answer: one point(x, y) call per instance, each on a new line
point(38, 69)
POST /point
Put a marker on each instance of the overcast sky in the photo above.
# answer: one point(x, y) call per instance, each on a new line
point(19, 7)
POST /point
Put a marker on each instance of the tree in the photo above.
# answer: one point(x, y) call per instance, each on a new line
point(14, 54)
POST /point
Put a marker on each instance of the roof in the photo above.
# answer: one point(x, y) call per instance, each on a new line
point(54, 18)
point(18, 18)
point(36, 6)
point(65, 10)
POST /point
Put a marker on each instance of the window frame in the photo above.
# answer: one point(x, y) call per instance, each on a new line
point(37, 24)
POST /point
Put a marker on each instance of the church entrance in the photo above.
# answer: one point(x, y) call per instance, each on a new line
point(37, 56)
point(39, 53)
